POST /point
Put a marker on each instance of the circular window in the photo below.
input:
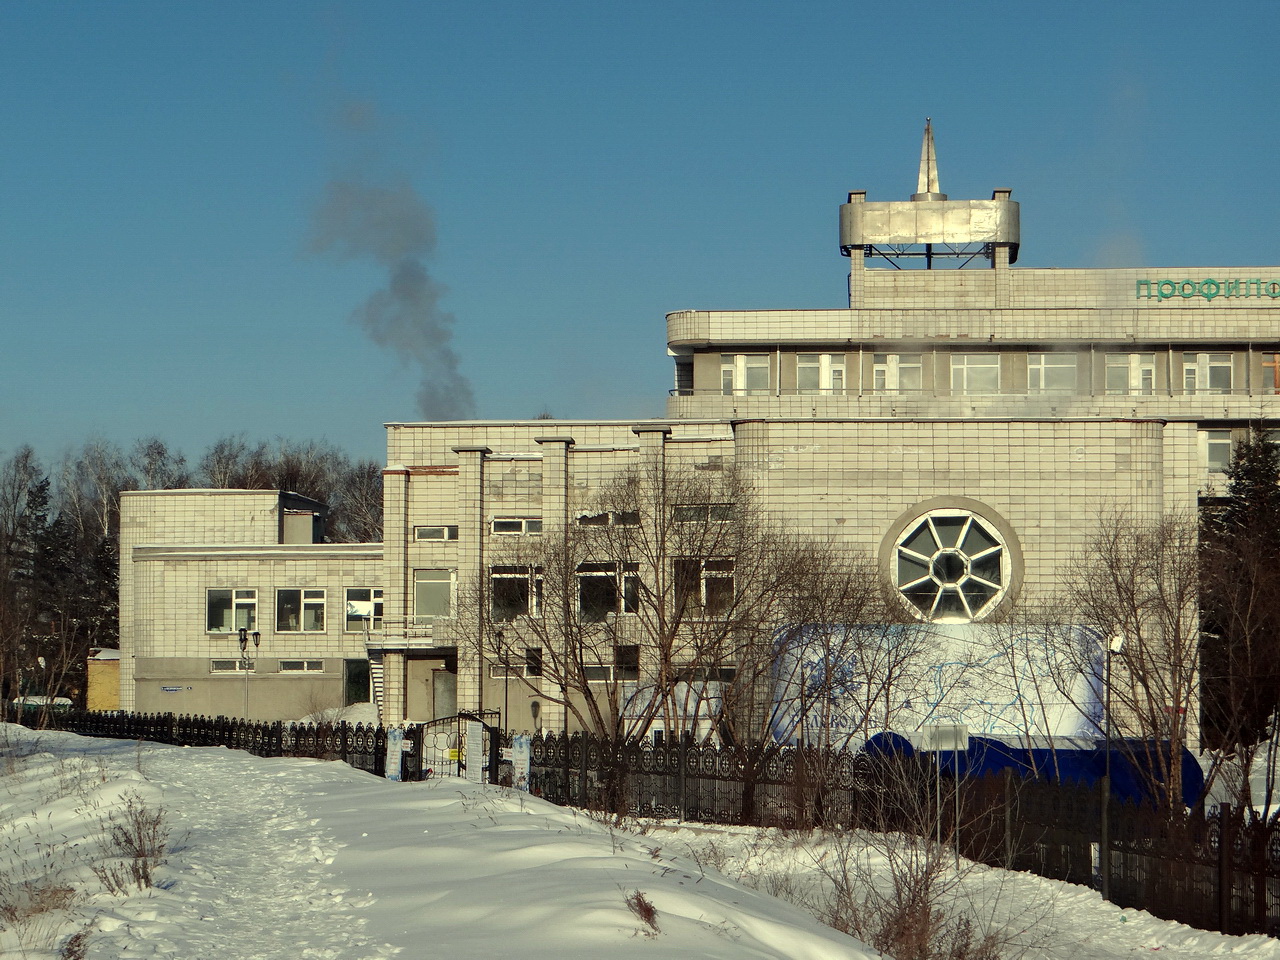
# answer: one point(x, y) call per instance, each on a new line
point(951, 566)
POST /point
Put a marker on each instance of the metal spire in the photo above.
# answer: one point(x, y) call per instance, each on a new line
point(927, 184)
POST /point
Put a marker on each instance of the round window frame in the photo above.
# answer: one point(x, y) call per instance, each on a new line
point(1011, 561)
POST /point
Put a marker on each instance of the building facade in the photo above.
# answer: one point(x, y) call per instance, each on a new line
point(963, 422)
point(198, 567)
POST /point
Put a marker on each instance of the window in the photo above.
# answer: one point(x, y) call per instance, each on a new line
point(950, 566)
point(435, 533)
point(975, 373)
point(432, 594)
point(744, 373)
point(703, 588)
point(684, 378)
point(1130, 374)
point(1051, 373)
point(820, 373)
point(896, 373)
point(626, 662)
point(694, 673)
point(302, 666)
point(605, 588)
point(533, 661)
point(515, 591)
point(227, 611)
point(499, 671)
point(516, 525)
point(1270, 373)
point(1215, 450)
point(299, 611)
point(364, 607)
point(617, 518)
point(1206, 372)
point(597, 674)
point(228, 666)
point(702, 513)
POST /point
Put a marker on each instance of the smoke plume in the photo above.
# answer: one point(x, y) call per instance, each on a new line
point(392, 226)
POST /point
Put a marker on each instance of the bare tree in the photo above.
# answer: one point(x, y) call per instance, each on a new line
point(666, 602)
point(352, 491)
point(1135, 587)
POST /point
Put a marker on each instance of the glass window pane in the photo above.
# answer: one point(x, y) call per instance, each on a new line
point(218, 618)
point(922, 541)
point(949, 529)
point(288, 610)
point(432, 593)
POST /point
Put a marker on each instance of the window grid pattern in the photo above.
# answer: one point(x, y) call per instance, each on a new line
point(950, 567)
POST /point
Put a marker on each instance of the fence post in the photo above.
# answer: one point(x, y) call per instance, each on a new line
point(1104, 838)
point(1008, 818)
point(1225, 843)
point(682, 757)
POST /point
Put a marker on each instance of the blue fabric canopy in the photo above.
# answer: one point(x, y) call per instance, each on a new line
point(1135, 764)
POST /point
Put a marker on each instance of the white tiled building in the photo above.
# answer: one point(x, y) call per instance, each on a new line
point(196, 566)
point(1025, 401)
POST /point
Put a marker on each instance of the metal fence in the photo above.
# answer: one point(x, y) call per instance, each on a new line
point(363, 746)
point(1215, 870)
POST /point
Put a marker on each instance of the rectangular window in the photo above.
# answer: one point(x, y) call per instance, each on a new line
point(499, 671)
point(975, 374)
point(300, 611)
point(228, 610)
point(515, 591)
point(744, 374)
point(607, 588)
point(684, 378)
point(432, 594)
point(1206, 372)
point(435, 533)
point(533, 661)
point(1270, 373)
point(703, 588)
point(1051, 373)
point(597, 674)
point(702, 513)
point(227, 666)
point(618, 518)
point(626, 662)
point(1215, 450)
point(516, 526)
point(364, 607)
point(820, 373)
point(302, 666)
point(1130, 374)
point(896, 373)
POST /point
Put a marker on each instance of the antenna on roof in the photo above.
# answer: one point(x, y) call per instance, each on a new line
point(927, 184)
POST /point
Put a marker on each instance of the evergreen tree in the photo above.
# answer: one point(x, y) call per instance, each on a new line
point(1240, 601)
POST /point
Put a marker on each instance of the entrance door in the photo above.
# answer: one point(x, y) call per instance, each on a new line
point(431, 689)
point(444, 690)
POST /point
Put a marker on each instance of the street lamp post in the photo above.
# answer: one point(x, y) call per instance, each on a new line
point(1114, 646)
point(247, 665)
point(505, 656)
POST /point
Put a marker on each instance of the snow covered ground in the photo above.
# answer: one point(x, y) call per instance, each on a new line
point(305, 859)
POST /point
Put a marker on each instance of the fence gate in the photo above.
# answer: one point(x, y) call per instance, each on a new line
point(465, 745)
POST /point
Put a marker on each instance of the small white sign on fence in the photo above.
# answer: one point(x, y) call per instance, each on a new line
point(473, 752)
point(395, 743)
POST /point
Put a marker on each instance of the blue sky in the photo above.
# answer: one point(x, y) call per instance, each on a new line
point(587, 167)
